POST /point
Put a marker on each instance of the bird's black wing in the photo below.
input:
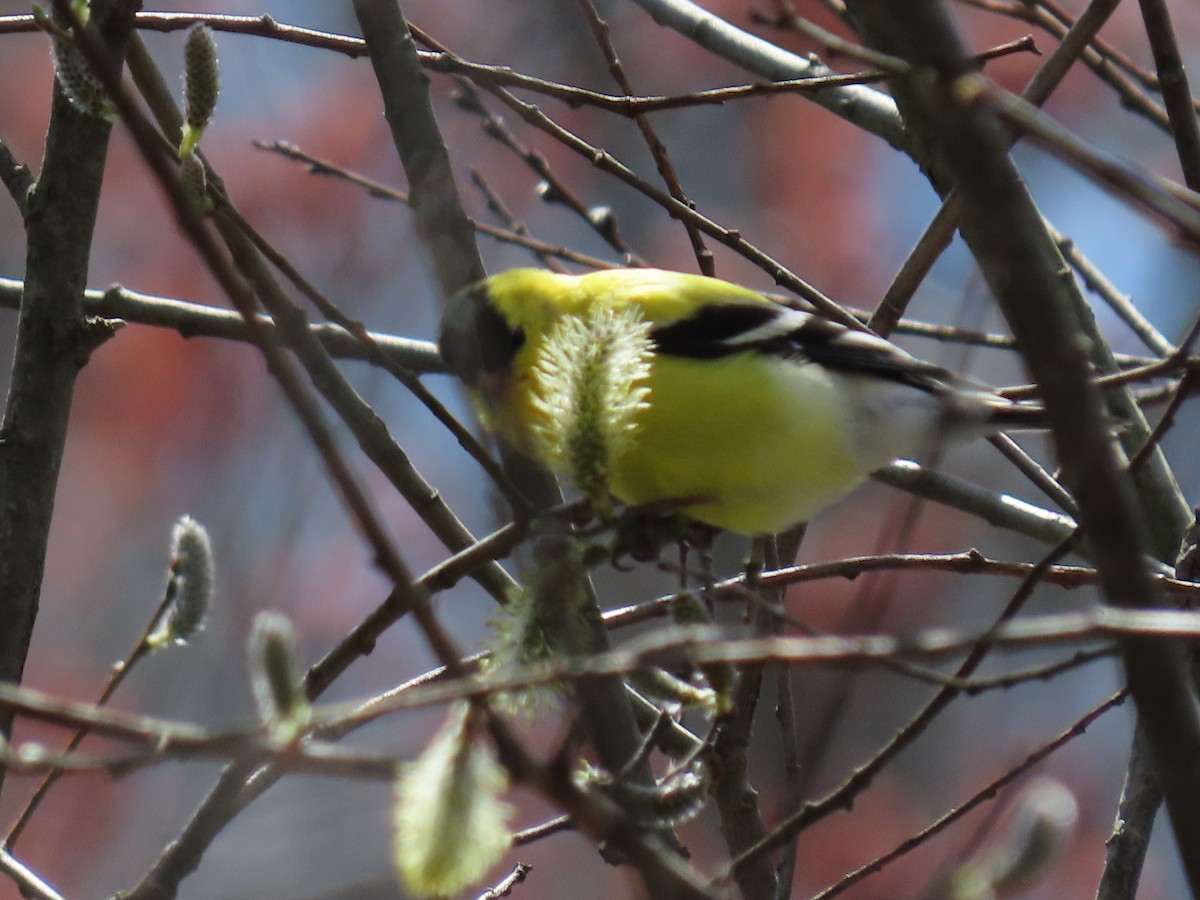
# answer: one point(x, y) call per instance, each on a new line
point(724, 329)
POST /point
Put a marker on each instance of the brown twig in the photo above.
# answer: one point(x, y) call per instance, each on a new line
point(53, 342)
point(937, 234)
point(17, 178)
point(497, 206)
point(1106, 63)
point(658, 150)
point(1173, 83)
point(552, 188)
point(1005, 232)
point(983, 795)
point(729, 237)
point(511, 235)
point(863, 775)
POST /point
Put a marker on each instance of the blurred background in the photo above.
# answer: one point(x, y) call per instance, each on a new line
point(165, 426)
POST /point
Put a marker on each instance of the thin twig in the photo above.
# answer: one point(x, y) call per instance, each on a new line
point(551, 189)
point(1108, 64)
point(546, 829)
point(1121, 304)
point(200, 320)
point(451, 64)
point(1174, 204)
point(1001, 510)
point(711, 645)
point(658, 150)
point(1021, 264)
point(352, 412)
point(789, 741)
point(497, 206)
point(983, 795)
point(741, 820)
point(17, 178)
point(318, 166)
point(862, 776)
point(116, 676)
point(28, 882)
point(871, 110)
point(1173, 82)
point(505, 886)
point(865, 612)
point(937, 234)
point(731, 238)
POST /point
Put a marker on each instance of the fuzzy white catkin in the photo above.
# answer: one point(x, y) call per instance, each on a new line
point(275, 675)
point(450, 824)
point(190, 585)
point(201, 85)
point(589, 385)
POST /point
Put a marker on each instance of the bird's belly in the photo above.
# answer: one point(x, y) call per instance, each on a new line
point(745, 446)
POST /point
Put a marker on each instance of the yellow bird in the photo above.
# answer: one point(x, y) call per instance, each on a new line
point(752, 416)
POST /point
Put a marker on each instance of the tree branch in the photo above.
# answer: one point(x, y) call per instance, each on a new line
point(54, 340)
point(1022, 266)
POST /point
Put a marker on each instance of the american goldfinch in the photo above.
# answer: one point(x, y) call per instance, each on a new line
point(746, 415)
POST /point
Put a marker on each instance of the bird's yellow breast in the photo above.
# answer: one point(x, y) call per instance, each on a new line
point(690, 442)
point(794, 464)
